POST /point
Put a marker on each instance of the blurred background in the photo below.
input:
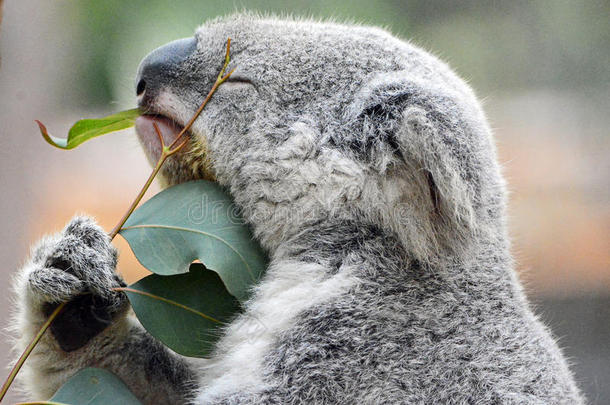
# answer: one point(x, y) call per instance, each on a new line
point(541, 67)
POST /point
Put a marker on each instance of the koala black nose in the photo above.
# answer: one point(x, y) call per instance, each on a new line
point(161, 63)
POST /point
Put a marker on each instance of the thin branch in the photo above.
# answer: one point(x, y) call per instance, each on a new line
point(28, 350)
point(158, 132)
point(167, 151)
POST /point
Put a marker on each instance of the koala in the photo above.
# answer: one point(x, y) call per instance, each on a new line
point(368, 173)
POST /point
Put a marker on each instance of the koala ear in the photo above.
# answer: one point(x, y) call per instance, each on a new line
point(435, 132)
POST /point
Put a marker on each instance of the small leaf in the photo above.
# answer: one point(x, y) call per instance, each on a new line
point(192, 221)
point(184, 311)
point(94, 386)
point(86, 129)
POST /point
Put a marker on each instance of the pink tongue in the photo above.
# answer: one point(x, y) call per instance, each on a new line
point(148, 136)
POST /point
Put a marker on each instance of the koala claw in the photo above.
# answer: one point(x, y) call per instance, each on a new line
point(77, 266)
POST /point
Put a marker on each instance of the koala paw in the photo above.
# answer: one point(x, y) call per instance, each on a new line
point(76, 266)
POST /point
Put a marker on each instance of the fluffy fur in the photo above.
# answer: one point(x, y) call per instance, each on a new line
point(368, 172)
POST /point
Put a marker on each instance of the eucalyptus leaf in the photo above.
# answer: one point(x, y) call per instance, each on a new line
point(86, 129)
point(184, 311)
point(192, 221)
point(94, 386)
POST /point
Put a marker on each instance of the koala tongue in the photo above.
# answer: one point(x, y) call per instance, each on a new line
point(148, 136)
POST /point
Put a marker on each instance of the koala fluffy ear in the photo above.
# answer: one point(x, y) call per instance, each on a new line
point(438, 136)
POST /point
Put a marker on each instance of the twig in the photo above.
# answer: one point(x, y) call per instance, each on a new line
point(167, 151)
point(28, 350)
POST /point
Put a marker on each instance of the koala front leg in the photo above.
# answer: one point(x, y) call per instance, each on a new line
point(96, 328)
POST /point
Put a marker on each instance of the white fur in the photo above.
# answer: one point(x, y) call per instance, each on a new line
point(289, 288)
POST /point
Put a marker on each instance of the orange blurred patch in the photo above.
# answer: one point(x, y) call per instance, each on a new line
point(560, 229)
point(100, 201)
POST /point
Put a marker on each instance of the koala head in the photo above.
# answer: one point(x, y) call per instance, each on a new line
point(327, 122)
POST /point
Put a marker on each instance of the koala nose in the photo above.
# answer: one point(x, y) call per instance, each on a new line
point(162, 62)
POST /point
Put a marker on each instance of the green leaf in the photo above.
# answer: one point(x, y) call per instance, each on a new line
point(184, 311)
point(86, 129)
point(94, 386)
point(196, 221)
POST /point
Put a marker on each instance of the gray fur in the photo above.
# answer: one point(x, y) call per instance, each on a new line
point(368, 171)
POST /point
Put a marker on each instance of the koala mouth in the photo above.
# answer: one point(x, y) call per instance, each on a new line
point(190, 163)
point(149, 138)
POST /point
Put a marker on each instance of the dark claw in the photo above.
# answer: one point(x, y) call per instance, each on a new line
point(82, 319)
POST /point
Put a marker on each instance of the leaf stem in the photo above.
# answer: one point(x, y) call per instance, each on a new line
point(166, 151)
point(168, 301)
point(28, 350)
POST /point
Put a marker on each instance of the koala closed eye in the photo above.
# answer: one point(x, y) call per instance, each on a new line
point(238, 81)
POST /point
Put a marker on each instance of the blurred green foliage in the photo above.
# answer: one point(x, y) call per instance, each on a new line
point(495, 45)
